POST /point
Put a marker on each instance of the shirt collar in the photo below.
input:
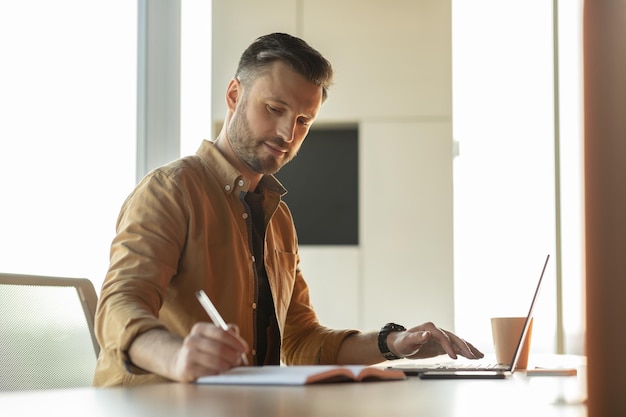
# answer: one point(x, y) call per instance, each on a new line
point(230, 178)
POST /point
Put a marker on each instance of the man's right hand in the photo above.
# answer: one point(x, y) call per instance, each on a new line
point(206, 350)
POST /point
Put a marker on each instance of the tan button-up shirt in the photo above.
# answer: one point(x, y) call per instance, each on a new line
point(185, 228)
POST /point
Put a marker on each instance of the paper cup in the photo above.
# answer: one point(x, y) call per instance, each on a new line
point(506, 333)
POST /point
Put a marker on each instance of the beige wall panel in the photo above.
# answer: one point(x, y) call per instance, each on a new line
point(332, 274)
point(236, 23)
point(406, 223)
point(392, 58)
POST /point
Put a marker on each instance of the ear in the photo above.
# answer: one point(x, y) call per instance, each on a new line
point(233, 92)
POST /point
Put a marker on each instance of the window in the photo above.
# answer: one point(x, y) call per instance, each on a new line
point(195, 100)
point(505, 210)
point(68, 106)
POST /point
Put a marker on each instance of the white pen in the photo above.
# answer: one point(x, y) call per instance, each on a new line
point(209, 307)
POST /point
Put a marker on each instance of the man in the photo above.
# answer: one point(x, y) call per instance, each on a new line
point(215, 222)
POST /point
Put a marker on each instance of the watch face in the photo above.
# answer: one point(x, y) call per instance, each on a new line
point(390, 356)
point(393, 327)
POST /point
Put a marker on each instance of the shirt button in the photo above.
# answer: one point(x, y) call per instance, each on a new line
point(241, 183)
point(227, 188)
point(254, 306)
point(244, 215)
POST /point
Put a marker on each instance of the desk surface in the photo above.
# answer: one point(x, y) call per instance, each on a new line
point(518, 395)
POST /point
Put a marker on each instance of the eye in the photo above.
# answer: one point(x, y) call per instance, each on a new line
point(272, 109)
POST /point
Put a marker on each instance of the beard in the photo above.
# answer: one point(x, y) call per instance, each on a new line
point(249, 148)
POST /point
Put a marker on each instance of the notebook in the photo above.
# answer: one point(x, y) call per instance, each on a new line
point(475, 370)
point(300, 375)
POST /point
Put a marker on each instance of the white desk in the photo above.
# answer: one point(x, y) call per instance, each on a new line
point(517, 396)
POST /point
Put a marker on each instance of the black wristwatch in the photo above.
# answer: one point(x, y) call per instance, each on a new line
point(382, 340)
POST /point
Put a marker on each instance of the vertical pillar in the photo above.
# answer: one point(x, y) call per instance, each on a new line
point(158, 83)
point(604, 28)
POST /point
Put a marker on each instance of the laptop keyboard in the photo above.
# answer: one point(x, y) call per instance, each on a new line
point(469, 366)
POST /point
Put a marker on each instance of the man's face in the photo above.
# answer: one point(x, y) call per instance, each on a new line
point(272, 118)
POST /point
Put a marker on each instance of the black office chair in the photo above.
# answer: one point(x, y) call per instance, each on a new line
point(47, 338)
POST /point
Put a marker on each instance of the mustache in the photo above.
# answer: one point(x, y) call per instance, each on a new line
point(278, 143)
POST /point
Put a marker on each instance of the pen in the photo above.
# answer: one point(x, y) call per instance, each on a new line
point(208, 306)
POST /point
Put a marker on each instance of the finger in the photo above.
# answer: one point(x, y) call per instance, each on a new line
point(462, 347)
point(225, 344)
point(443, 339)
point(244, 359)
point(459, 345)
point(211, 353)
point(416, 341)
point(437, 339)
point(409, 343)
point(195, 358)
point(229, 337)
point(477, 353)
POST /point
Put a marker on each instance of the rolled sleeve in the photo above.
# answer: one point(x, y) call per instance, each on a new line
point(144, 258)
point(331, 345)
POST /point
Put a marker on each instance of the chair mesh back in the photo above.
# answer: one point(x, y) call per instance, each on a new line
point(45, 340)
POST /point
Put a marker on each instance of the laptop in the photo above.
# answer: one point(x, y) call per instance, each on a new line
point(475, 370)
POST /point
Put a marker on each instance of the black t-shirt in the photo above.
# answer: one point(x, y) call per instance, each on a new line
point(267, 338)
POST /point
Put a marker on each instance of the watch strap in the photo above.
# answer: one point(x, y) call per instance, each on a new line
point(382, 340)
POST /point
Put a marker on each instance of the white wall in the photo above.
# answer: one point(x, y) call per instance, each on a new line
point(393, 77)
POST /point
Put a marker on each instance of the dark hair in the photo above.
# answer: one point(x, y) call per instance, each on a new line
point(295, 52)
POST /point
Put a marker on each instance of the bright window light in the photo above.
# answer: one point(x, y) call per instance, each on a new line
point(504, 176)
point(195, 82)
point(67, 137)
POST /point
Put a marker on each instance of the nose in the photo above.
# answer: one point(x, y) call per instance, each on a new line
point(287, 129)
